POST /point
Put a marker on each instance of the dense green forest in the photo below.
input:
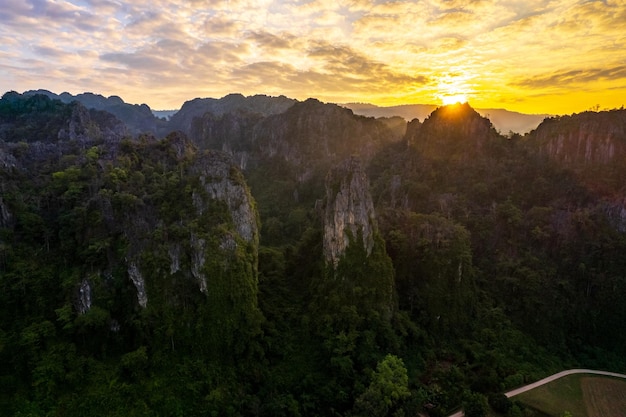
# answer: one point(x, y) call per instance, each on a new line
point(305, 262)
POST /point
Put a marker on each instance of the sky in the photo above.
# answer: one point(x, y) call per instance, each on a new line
point(555, 57)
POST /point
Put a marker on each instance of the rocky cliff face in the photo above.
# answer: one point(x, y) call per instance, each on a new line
point(5, 215)
point(39, 119)
point(587, 138)
point(222, 181)
point(349, 216)
point(592, 146)
point(262, 105)
point(216, 226)
point(287, 155)
point(358, 270)
point(413, 130)
point(309, 137)
point(7, 164)
point(91, 125)
point(311, 132)
point(150, 224)
point(230, 132)
point(397, 125)
point(615, 212)
point(137, 118)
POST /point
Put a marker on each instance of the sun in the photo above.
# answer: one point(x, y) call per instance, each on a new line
point(453, 98)
point(455, 86)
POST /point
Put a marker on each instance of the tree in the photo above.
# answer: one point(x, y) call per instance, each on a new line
point(475, 405)
point(500, 403)
point(388, 388)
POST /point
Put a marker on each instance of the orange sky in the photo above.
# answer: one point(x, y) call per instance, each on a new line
point(530, 56)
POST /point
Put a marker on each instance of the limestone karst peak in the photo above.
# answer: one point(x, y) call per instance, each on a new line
point(349, 210)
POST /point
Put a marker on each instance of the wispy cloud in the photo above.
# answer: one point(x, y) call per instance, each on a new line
point(575, 77)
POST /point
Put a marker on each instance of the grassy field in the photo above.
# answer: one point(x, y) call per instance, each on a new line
point(597, 391)
point(580, 394)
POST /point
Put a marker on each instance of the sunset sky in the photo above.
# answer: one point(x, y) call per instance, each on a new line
point(530, 56)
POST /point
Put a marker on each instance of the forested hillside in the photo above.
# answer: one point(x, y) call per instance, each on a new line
point(268, 257)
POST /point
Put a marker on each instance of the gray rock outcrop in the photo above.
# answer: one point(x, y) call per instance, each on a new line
point(232, 103)
point(587, 138)
point(349, 210)
point(223, 181)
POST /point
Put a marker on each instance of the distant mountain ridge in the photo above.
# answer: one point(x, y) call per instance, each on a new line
point(504, 121)
point(137, 117)
point(307, 134)
point(452, 131)
point(39, 118)
point(198, 107)
point(140, 118)
point(248, 127)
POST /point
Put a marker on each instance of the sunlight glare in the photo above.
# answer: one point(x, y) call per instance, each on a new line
point(454, 87)
point(456, 98)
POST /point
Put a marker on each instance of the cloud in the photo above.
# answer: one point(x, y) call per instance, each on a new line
point(280, 77)
point(455, 19)
point(451, 43)
point(145, 20)
point(316, 6)
point(64, 13)
point(271, 41)
point(344, 60)
point(565, 79)
point(103, 6)
point(221, 25)
point(330, 18)
point(263, 72)
point(162, 51)
point(140, 61)
point(49, 52)
point(179, 57)
point(365, 49)
point(13, 10)
point(229, 53)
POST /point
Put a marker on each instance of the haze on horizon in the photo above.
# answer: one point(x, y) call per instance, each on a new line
point(533, 57)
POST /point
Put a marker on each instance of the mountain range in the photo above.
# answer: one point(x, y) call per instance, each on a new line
point(504, 121)
point(264, 256)
point(138, 116)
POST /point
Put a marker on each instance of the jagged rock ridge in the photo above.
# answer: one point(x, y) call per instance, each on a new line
point(222, 181)
point(583, 139)
point(196, 108)
point(220, 197)
point(310, 136)
point(349, 213)
point(455, 130)
point(591, 145)
point(358, 269)
point(38, 118)
point(503, 120)
point(137, 117)
point(230, 132)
